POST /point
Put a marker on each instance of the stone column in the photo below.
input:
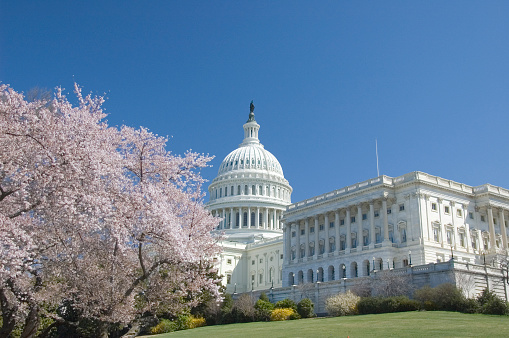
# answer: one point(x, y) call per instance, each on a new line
point(297, 247)
point(288, 242)
point(442, 228)
point(266, 218)
point(257, 218)
point(326, 230)
point(493, 246)
point(249, 217)
point(316, 237)
point(372, 233)
point(348, 231)
point(360, 241)
point(502, 228)
point(454, 227)
point(386, 220)
point(336, 226)
point(225, 220)
point(232, 219)
point(467, 228)
point(306, 229)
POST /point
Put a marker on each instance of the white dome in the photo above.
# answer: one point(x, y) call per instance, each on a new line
point(250, 156)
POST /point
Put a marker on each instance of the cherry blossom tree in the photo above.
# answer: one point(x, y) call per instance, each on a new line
point(102, 218)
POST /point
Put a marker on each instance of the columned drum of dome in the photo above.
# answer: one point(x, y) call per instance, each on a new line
point(250, 194)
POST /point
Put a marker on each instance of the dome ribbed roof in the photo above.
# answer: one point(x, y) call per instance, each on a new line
point(250, 156)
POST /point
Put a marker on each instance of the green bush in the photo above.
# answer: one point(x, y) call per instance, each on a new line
point(387, 304)
point(263, 296)
point(305, 308)
point(263, 310)
point(342, 304)
point(286, 304)
point(164, 326)
point(445, 297)
point(491, 304)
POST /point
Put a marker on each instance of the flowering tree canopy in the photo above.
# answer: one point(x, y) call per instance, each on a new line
point(101, 217)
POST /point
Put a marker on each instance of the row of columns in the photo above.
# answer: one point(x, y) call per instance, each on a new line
point(296, 226)
point(270, 218)
point(490, 212)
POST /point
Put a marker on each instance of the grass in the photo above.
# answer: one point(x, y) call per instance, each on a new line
point(402, 324)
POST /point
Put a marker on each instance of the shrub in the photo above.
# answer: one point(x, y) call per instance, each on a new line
point(281, 314)
point(263, 296)
point(342, 304)
point(286, 304)
point(492, 305)
point(196, 322)
point(263, 310)
point(386, 305)
point(164, 326)
point(305, 308)
point(445, 297)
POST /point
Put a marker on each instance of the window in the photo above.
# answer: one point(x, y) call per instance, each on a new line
point(293, 233)
point(245, 219)
point(483, 219)
point(462, 239)
point(342, 222)
point(459, 213)
point(389, 211)
point(312, 229)
point(253, 262)
point(261, 278)
point(228, 261)
point(449, 237)
point(364, 217)
point(352, 219)
point(471, 215)
point(302, 231)
point(261, 260)
point(365, 239)
point(228, 279)
point(321, 227)
point(436, 234)
point(434, 206)
point(377, 213)
point(494, 221)
point(401, 207)
point(446, 209)
point(331, 225)
point(225, 191)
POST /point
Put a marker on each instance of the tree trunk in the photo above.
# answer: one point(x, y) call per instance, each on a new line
point(134, 331)
point(31, 323)
point(8, 313)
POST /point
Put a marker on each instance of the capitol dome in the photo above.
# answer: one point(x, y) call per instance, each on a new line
point(250, 191)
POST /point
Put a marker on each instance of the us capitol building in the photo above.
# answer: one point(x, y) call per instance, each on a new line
point(384, 223)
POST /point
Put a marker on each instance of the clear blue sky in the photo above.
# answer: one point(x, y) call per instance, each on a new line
point(428, 79)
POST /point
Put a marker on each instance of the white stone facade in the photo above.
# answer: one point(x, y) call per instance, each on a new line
point(387, 223)
point(250, 194)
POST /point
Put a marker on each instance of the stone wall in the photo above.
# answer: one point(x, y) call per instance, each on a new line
point(471, 278)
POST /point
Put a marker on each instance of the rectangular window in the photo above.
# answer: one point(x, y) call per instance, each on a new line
point(352, 219)
point(331, 225)
point(321, 227)
point(364, 216)
point(458, 213)
point(281, 256)
point(483, 219)
point(389, 211)
point(342, 222)
point(471, 215)
point(312, 229)
point(494, 221)
point(228, 261)
point(253, 262)
point(446, 209)
point(434, 206)
point(228, 279)
point(261, 260)
point(401, 207)
point(302, 231)
point(377, 213)
point(293, 234)
point(436, 235)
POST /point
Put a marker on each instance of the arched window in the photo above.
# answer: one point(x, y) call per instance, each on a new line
point(238, 190)
point(253, 219)
point(253, 189)
point(245, 220)
point(246, 192)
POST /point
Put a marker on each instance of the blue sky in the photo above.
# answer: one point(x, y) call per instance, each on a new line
point(428, 79)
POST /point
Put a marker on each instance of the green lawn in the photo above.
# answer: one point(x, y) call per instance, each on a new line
point(403, 324)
